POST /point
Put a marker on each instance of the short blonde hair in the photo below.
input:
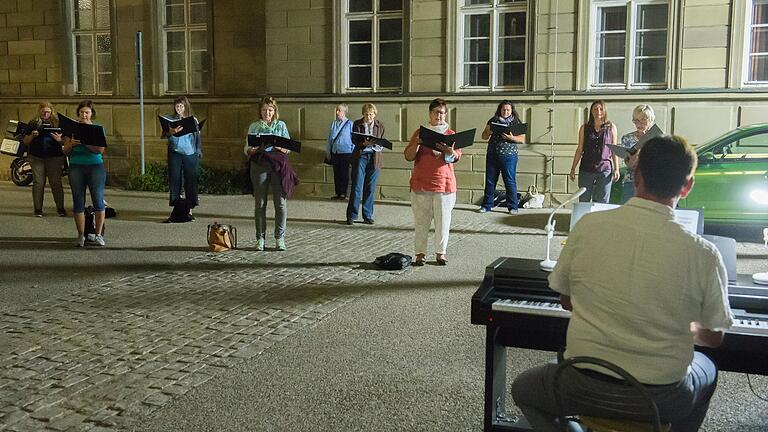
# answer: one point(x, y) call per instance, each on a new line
point(644, 111)
point(269, 100)
point(344, 107)
point(369, 107)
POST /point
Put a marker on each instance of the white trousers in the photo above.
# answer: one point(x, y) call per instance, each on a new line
point(428, 206)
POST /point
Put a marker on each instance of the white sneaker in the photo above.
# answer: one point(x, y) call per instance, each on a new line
point(80, 241)
point(483, 210)
point(99, 240)
point(90, 238)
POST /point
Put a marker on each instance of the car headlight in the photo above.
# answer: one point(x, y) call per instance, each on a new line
point(760, 196)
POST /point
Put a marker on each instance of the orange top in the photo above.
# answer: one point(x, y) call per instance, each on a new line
point(432, 173)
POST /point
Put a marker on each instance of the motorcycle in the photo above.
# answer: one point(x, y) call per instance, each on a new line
point(13, 145)
point(21, 169)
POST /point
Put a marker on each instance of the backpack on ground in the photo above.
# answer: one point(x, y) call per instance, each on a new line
point(180, 213)
point(393, 261)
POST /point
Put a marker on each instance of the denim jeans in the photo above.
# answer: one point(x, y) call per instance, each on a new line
point(50, 168)
point(182, 171)
point(628, 191)
point(506, 165)
point(364, 176)
point(93, 177)
point(340, 162)
point(598, 186)
point(264, 179)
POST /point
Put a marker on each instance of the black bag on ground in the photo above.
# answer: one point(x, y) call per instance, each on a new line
point(180, 212)
point(500, 199)
point(90, 222)
point(393, 261)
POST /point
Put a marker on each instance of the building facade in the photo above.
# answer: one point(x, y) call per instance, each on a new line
point(701, 64)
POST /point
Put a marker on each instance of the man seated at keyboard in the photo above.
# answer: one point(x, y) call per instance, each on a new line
point(642, 291)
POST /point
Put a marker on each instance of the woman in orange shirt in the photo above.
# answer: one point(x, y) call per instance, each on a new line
point(433, 185)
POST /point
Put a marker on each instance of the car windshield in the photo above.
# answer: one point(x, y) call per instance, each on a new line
point(726, 137)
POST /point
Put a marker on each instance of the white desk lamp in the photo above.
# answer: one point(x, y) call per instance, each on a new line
point(549, 264)
point(762, 278)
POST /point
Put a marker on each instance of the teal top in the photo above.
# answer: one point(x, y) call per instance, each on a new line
point(262, 128)
point(82, 156)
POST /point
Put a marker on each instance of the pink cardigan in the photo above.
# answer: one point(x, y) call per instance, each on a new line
point(430, 173)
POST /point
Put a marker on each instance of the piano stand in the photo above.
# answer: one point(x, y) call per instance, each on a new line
point(495, 418)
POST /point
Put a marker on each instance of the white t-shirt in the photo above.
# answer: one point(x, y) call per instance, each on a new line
point(636, 280)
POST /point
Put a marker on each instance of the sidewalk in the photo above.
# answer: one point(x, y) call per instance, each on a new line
point(152, 333)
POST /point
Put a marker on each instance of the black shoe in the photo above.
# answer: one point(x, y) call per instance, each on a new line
point(62, 212)
point(38, 213)
point(368, 221)
point(350, 221)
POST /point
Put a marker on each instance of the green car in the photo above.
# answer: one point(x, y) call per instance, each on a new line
point(731, 179)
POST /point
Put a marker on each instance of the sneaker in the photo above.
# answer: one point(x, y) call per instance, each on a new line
point(280, 244)
point(62, 212)
point(350, 221)
point(38, 213)
point(369, 221)
point(260, 244)
point(80, 241)
point(99, 240)
point(513, 212)
point(482, 210)
point(90, 238)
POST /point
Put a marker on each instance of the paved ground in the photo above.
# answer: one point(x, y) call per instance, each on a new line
point(153, 333)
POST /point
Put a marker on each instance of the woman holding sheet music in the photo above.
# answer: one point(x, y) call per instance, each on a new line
point(366, 164)
point(433, 185)
point(501, 156)
point(86, 170)
point(184, 154)
point(46, 158)
point(643, 118)
point(598, 166)
point(269, 169)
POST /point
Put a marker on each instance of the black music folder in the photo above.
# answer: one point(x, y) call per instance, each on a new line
point(458, 140)
point(88, 134)
point(621, 151)
point(653, 132)
point(48, 130)
point(514, 128)
point(188, 125)
point(624, 152)
point(274, 140)
point(376, 141)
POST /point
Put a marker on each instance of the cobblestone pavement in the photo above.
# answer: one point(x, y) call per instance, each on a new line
point(98, 358)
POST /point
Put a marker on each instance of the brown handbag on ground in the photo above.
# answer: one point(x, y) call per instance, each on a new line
point(221, 237)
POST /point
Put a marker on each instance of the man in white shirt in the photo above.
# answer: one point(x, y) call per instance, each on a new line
point(642, 291)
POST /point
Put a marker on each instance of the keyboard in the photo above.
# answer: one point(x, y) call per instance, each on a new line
point(532, 307)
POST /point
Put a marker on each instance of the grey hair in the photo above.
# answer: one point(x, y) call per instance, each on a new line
point(644, 111)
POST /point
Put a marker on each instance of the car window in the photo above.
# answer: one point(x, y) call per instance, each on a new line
point(755, 146)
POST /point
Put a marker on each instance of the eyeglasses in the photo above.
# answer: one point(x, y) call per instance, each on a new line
point(436, 112)
point(639, 121)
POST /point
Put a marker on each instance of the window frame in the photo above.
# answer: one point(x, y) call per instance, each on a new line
point(162, 48)
point(341, 35)
point(73, 34)
point(589, 42)
point(458, 13)
point(746, 51)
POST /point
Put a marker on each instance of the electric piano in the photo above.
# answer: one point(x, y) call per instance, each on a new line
point(519, 309)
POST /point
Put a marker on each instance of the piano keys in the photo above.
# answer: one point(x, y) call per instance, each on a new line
point(519, 309)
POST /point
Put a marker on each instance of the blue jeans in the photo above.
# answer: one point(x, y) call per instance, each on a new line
point(684, 404)
point(364, 176)
point(264, 179)
point(628, 191)
point(598, 186)
point(94, 177)
point(506, 165)
point(182, 170)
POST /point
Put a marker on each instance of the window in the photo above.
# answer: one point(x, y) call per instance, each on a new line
point(492, 44)
point(373, 45)
point(630, 43)
point(185, 39)
point(757, 46)
point(92, 42)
